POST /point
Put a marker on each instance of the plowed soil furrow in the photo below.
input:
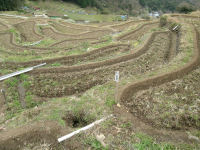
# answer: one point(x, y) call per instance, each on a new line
point(139, 31)
point(174, 136)
point(67, 29)
point(27, 31)
point(172, 47)
point(72, 42)
point(105, 24)
point(127, 92)
point(7, 41)
point(40, 20)
point(69, 60)
point(50, 32)
point(25, 47)
point(77, 26)
point(185, 16)
point(10, 44)
point(3, 27)
point(11, 20)
point(95, 54)
point(123, 26)
point(77, 82)
point(76, 74)
point(103, 63)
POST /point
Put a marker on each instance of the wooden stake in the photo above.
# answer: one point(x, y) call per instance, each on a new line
point(4, 95)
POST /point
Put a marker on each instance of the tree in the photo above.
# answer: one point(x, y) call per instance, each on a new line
point(168, 5)
point(185, 7)
point(163, 21)
point(10, 4)
point(83, 3)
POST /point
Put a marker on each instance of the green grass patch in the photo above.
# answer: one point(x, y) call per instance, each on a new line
point(110, 101)
point(57, 64)
point(56, 115)
point(16, 34)
point(94, 144)
point(46, 42)
point(146, 142)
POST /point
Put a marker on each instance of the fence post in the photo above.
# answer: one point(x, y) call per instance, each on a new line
point(4, 95)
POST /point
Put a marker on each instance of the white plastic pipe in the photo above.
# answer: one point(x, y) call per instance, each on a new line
point(82, 129)
point(35, 43)
point(20, 72)
point(15, 74)
point(175, 27)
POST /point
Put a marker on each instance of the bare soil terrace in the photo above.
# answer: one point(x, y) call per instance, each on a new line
point(157, 94)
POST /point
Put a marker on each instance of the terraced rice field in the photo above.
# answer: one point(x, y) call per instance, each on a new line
point(157, 95)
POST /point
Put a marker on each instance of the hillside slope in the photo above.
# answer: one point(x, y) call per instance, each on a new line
point(133, 7)
point(164, 5)
point(129, 6)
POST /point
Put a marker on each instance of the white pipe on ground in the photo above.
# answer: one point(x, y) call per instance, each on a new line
point(82, 129)
point(20, 72)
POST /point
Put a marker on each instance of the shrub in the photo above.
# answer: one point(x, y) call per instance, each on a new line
point(185, 8)
point(6, 5)
point(105, 11)
point(163, 21)
point(83, 3)
point(147, 17)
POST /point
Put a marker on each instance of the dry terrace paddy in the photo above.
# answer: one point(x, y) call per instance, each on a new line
point(155, 104)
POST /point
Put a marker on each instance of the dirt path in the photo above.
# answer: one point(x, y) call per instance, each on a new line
point(161, 135)
point(41, 132)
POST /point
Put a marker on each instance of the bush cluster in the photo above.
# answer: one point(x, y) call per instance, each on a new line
point(6, 5)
